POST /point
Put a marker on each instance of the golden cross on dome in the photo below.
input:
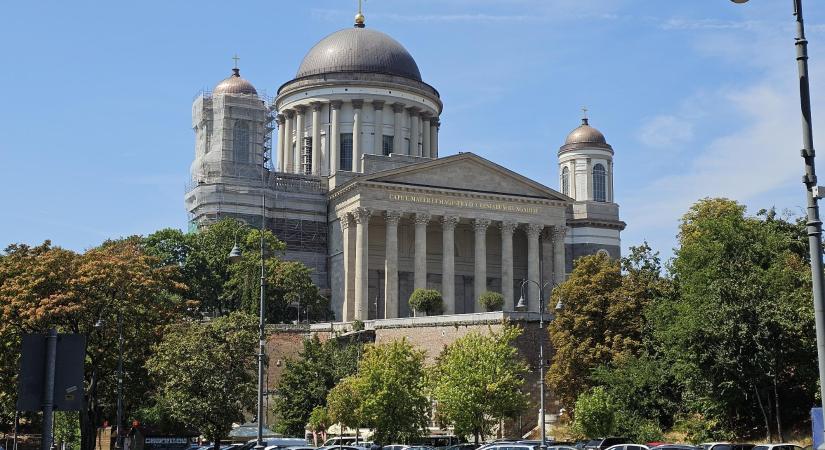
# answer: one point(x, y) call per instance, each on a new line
point(236, 59)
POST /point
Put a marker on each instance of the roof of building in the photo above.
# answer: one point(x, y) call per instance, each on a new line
point(585, 134)
point(234, 84)
point(359, 49)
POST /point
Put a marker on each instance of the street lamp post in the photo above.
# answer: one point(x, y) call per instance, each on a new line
point(119, 438)
point(813, 192)
point(521, 305)
point(234, 256)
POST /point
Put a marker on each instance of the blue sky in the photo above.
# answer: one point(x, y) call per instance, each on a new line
point(698, 98)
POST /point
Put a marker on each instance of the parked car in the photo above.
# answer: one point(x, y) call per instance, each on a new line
point(629, 447)
point(725, 446)
point(675, 447)
point(782, 446)
point(465, 446)
point(342, 440)
point(605, 443)
point(561, 447)
point(512, 446)
point(340, 447)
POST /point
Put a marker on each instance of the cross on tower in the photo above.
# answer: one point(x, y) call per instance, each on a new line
point(236, 59)
point(584, 111)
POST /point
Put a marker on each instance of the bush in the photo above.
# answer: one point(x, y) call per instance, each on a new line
point(426, 300)
point(491, 301)
point(595, 414)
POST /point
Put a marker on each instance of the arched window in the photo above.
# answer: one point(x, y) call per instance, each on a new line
point(240, 142)
point(565, 181)
point(599, 183)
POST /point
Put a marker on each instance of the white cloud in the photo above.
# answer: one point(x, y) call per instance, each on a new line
point(666, 131)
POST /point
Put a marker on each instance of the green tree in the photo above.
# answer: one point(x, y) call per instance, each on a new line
point(318, 423)
point(491, 301)
point(387, 393)
point(477, 380)
point(345, 403)
point(598, 323)
point(738, 332)
point(223, 287)
point(307, 379)
point(204, 373)
point(43, 287)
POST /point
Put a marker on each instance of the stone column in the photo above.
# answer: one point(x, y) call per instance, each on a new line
point(398, 136)
point(480, 273)
point(288, 153)
point(425, 135)
point(436, 123)
point(448, 263)
point(362, 221)
point(420, 274)
point(356, 135)
point(378, 143)
point(316, 138)
point(507, 229)
point(348, 247)
point(414, 149)
point(391, 265)
point(559, 259)
point(573, 179)
point(589, 178)
point(533, 274)
point(280, 119)
point(300, 114)
point(335, 135)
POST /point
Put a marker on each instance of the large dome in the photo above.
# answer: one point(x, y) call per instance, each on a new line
point(359, 50)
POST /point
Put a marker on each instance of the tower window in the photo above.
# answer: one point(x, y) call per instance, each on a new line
point(240, 142)
point(599, 183)
point(565, 181)
point(386, 144)
point(346, 151)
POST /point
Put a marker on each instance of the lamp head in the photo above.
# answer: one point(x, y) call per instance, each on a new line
point(235, 254)
point(559, 305)
point(521, 303)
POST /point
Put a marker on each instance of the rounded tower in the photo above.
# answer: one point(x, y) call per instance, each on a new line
point(586, 175)
point(231, 134)
point(357, 96)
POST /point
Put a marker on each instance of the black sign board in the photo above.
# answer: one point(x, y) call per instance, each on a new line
point(68, 380)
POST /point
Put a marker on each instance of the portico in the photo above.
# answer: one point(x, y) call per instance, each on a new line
point(479, 231)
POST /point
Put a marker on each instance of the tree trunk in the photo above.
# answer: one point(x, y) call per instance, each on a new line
point(217, 445)
point(778, 418)
point(764, 415)
point(88, 417)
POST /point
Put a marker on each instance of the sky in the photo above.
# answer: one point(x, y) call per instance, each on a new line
point(698, 98)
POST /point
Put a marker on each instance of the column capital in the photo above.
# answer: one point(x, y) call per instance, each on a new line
point(336, 104)
point(300, 109)
point(559, 231)
point(345, 220)
point(361, 215)
point(280, 119)
point(426, 115)
point(289, 113)
point(449, 222)
point(534, 230)
point(480, 225)
point(378, 104)
point(357, 103)
point(413, 110)
point(316, 106)
point(398, 107)
point(508, 227)
point(422, 218)
point(392, 217)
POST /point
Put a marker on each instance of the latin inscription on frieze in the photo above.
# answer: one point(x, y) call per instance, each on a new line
point(463, 203)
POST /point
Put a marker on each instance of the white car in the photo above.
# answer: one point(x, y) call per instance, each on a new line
point(629, 447)
point(782, 446)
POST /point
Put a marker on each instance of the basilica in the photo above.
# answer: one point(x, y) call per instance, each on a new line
point(344, 166)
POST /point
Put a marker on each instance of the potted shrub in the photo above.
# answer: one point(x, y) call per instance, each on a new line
point(426, 302)
point(491, 301)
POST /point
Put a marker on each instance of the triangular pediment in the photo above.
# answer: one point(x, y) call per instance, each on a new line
point(466, 171)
